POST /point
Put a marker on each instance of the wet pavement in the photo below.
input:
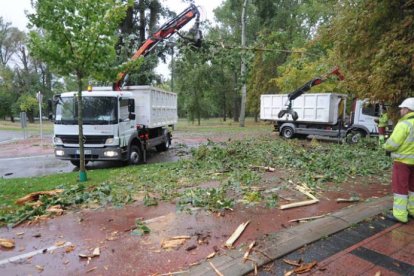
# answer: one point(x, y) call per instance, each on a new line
point(47, 243)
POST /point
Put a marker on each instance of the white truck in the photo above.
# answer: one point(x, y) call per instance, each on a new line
point(321, 114)
point(117, 125)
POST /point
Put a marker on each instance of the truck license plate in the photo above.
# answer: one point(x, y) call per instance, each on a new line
point(85, 151)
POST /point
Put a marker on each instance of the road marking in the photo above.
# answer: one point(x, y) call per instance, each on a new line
point(31, 254)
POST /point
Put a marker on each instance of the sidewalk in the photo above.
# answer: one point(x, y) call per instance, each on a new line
point(388, 251)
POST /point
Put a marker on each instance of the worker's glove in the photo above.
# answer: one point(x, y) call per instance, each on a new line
point(387, 153)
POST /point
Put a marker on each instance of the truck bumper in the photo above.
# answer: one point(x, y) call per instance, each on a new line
point(91, 154)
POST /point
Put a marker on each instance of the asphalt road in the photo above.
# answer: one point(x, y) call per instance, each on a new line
point(46, 164)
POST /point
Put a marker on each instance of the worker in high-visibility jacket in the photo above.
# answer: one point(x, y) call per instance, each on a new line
point(401, 146)
point(382, 125)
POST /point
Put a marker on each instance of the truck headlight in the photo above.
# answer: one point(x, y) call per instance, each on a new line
point(57, 141)
point(109, 141)
point(110, 153)
point(59, 152)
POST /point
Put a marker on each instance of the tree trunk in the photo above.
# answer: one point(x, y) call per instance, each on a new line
point(243, 66)
point(82, 171)
point(142, 21)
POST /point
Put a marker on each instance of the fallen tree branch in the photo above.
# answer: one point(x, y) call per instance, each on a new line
point(313, 200)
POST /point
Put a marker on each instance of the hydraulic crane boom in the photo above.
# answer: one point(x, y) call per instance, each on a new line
point(164, 32)
point(304, 88)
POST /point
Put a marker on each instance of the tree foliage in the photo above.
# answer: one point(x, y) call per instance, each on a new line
point(374, 44)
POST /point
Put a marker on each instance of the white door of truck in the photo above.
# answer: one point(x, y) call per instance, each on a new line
point(365, 114)
point(126, 126)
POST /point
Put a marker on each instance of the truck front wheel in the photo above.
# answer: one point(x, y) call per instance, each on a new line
point(287, 132)
point(355, 136)
point(76, 163)
point(135, 155)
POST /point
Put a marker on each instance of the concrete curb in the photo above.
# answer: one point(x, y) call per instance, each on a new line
point(278, 244)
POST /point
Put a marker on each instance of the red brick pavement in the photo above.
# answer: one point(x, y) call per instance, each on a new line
point(395, 242)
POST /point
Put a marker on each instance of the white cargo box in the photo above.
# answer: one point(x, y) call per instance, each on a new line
point(154, 107)
point(315, 108)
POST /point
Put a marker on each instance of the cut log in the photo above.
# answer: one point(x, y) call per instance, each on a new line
point(236, 234)
point(35, 196)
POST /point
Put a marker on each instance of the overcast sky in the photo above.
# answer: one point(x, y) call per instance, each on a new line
point(14, 11)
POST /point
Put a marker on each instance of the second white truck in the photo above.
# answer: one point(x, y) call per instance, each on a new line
point(321, 114)
point(117, 125)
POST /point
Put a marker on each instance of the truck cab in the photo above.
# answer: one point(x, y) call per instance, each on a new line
point(116, 125)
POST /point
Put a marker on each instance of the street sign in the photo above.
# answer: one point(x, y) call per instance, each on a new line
point(23, 119)
point(39, 97)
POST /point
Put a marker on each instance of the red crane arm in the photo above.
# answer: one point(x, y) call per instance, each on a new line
point(165, 31)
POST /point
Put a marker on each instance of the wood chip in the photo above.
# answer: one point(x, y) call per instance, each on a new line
point(56, 210)
point(236, 234)
point(96, 252)
point(40, 268)
point(303, 268)
point(211, 255)
point(69, 249)
point(60, 243)
point(174, 242)
point(6, 243)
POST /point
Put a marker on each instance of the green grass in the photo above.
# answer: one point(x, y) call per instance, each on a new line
point(46, 125)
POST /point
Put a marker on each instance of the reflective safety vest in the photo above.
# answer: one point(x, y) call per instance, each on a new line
point(383, 120)
point(401, 141)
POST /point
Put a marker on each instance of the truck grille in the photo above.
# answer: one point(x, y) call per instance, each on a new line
point(89, 139)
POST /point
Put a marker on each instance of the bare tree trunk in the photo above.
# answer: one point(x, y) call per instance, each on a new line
point(243, 66)
point(82, 171)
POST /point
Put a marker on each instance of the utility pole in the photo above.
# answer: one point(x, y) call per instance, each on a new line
point(243, 66)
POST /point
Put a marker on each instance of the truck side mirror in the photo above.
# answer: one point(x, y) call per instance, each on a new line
point(131, 116)
point(131, 106)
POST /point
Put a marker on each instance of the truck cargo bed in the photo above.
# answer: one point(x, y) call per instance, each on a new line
point(311, 108)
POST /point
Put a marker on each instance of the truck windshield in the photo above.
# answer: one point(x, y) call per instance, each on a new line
point(96, 111)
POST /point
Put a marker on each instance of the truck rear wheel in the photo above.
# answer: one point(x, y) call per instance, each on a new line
point(165, 145)
point(135, 155)
point(287, 132)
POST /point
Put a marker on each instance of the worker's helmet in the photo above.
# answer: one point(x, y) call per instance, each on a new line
point(408, 103)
